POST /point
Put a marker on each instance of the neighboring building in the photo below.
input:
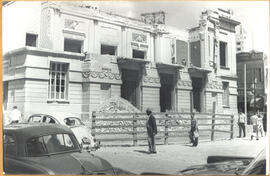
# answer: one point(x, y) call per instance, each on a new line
point(256, 80)
point(243, 39)
point(76, 57)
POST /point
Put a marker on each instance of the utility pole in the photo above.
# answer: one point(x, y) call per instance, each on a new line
point(254, 89)
point(245, 88)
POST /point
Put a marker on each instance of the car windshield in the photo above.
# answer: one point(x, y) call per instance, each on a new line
point(257, 166)
point(51, 144)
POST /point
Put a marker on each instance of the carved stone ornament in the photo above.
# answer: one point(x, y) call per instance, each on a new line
point(151, 80)
point(139, 38)
point(184, 83)
point(102, 75)
point(71, 24)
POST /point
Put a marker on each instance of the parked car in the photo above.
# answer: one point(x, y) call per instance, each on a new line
point(230, 165)
point(81, 131)
point(226, 165)
point(31, 148)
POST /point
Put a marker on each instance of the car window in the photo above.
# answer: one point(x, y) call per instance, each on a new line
point(73, 121)
point(55, 143)
point(35, 147)
point(48, 119)
point(9, 145)
point(36, 118)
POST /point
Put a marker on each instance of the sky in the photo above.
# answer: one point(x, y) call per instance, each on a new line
point(254, 15)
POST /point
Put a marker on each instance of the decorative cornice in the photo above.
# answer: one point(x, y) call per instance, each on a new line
point(214, 86)
point(101, 75)
point(151, 80)
point(184, 83)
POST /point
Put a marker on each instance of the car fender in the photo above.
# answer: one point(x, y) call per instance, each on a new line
point(23, 166)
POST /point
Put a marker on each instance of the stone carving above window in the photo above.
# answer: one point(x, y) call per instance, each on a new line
point(184, 83)
point(72, 24)
point(139, 38)
point(151, 80)
point(105, 74)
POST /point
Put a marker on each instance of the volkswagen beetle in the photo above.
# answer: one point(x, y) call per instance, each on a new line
point(80, 130)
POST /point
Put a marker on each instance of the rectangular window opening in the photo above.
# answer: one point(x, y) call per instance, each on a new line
point(226, 94)
point(108, 49)
point(31, 40)
point(75, 46)
point(58, 83)
point(223, 54)
point(138, 54)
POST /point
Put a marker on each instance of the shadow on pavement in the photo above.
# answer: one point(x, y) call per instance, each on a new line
point(142, 151)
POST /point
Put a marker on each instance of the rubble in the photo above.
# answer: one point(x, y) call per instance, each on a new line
point(117, 105)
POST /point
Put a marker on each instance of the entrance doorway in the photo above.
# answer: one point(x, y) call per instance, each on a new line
point(197, 87)
point(130, 87)
point(166, 92)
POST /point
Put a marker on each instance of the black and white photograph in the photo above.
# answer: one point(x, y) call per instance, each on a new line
point(135, 87)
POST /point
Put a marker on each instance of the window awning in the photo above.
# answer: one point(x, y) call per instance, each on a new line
point(122, 60)
point(194, 69)
point(170, 66)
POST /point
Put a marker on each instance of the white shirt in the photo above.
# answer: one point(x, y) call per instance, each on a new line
point(15, 114)
point(242, 118)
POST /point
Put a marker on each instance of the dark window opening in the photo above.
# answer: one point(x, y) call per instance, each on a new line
point(197, 89)
point(222, 53)
point(108, 49)
point(138, 54)
point(74, 46)
point(130, 89)
point(195, 53)
point(226, 94)
point(31, 40)
point(166, 92)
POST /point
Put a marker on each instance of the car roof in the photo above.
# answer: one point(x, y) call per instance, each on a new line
point(24, 131)
point(59, 116)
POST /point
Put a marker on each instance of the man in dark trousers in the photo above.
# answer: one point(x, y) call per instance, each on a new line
point(151, 130)
point(242, 124)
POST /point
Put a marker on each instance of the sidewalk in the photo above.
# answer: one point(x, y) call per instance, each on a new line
point(172, 158)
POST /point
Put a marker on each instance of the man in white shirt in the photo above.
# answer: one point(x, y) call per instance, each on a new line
point(15, 115)
point(254, 121)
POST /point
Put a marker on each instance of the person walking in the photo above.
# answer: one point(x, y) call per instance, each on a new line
point(151, 131)
point(194, 131)
point(15, 115)
point(242, 124)
point(260, 124)
point(254, 121)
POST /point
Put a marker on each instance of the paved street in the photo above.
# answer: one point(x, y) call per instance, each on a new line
point(172, 158)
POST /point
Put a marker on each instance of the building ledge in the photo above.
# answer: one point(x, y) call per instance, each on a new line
point(194, 69)
point(122, 60)
point(161, 65)
point(229, 76)
point(49, 52)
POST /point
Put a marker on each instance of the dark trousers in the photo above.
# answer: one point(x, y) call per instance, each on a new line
point(151, 144)
point(242, 127)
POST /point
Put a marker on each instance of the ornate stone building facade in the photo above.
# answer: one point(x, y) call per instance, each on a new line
point(78, 56)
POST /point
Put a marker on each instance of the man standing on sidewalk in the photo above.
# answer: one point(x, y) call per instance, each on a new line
point(15, 115)
point(151, 130)
point(254, 121)
point(242, 124)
